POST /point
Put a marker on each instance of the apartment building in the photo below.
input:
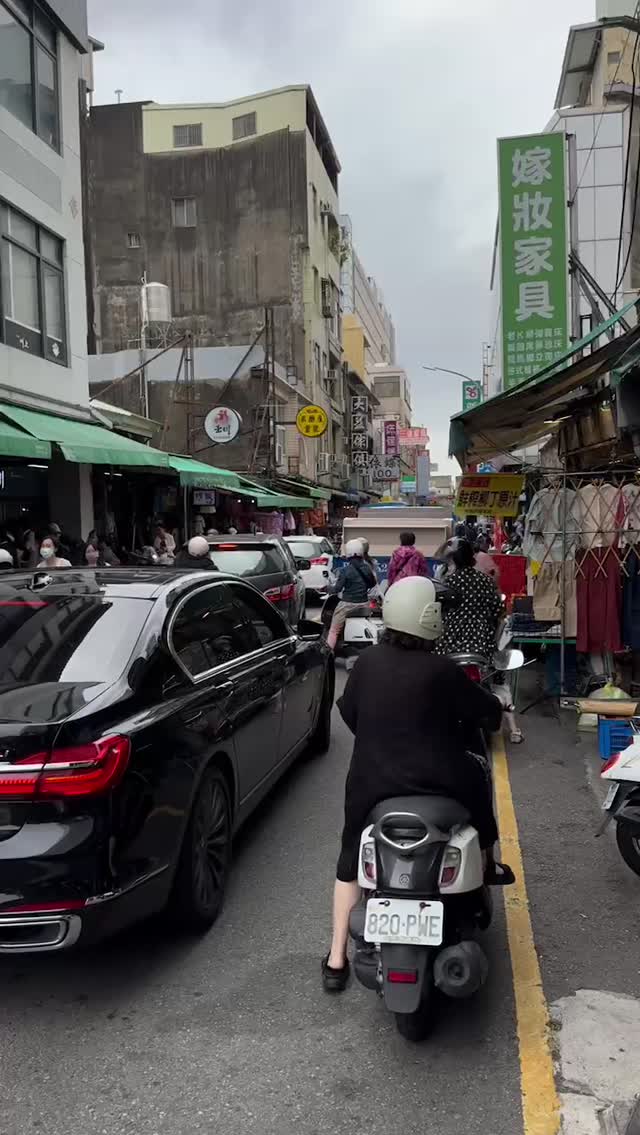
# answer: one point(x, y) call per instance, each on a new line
point(234, 207)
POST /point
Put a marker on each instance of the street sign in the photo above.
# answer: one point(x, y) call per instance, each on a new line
point(383, 468)
point(471, 394)
point(391, 440)
point(533, 253)
point(312, 421)
point(496, 494)
point(222, 424)
point(360, 431)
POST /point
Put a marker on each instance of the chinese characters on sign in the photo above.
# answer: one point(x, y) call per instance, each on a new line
point(222, 424)
point(533, 254)
point(359, 436)
point(413, 435)
point(471, 394)
point(497, 494)
point(391, 442)
point(312, 421)
point(383, 468)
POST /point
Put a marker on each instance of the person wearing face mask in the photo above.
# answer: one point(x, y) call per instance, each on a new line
point(49, 557)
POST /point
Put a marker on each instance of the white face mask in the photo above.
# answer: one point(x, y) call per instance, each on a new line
point(46, 553)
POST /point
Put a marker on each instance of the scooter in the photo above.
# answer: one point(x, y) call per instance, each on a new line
point(424, 898)
point(622, 802)
point(360, 631)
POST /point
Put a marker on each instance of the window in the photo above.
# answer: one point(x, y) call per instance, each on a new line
point(613, 57)
point(244, 126)
point(316, 287)
point(316, 360)
point(133, 240)
point(205, 633)
point(265, 559)
point(29, 68)
point(260, 623)
point(189, 135)
point(314, 193)
point(32, 304)
point(183, 212)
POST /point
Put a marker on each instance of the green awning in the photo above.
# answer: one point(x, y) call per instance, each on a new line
point(84, 443)
point(199, 475)
point(15, 443)
point(267, 498)
point(315, 491)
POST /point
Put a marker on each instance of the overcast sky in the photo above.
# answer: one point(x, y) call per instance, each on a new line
point(414, 94)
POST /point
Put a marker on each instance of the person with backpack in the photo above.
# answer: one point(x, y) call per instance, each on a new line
point(407, 560)
point(353, 584)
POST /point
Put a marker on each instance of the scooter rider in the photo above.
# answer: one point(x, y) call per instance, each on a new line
point(353, 583)
point(409, 710)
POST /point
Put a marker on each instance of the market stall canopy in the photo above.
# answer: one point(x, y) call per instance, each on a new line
point(530, 411)
point(267, 498)
point(15, 443)
point(199, 475)
point(125, 420)
point(285, 484)
point(82, 443)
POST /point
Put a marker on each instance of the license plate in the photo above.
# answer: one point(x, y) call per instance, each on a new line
point(610, 797)
point(412, 922)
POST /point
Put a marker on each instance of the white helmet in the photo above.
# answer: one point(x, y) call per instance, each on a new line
point(6, 559)
point(198, 546)
point(353, 548)
point(411, 606)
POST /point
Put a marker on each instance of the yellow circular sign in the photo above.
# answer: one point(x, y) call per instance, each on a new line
point(312, 421)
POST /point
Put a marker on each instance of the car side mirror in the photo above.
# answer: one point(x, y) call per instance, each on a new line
point(307, 628)
point(302, 565)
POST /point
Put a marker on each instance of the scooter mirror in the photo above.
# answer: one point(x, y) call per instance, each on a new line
point(513, 660)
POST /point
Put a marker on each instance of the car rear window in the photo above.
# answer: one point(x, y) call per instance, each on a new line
point(305, 549)
point(264, 559)
point(77, 638)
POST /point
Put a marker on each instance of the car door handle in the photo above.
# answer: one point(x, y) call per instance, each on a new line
point(193, 718)
point(223, 687)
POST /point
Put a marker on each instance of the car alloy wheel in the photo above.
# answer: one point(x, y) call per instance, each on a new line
point(211, 844)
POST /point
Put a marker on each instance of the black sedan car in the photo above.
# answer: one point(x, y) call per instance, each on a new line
point(143, 716)
point(269, 564)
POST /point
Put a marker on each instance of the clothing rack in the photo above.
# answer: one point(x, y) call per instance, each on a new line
point(603, 527)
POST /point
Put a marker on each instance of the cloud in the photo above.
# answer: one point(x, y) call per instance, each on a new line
point(414, 94)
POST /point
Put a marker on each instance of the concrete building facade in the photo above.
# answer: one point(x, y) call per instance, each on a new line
point(43, 327)
point(367, 327)
point(235, 208)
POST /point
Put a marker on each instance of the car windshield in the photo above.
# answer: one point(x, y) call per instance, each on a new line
point(264, 559)
point(305, 549)
point(75, 638)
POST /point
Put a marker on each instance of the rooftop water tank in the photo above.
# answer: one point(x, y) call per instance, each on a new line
point(156, 301)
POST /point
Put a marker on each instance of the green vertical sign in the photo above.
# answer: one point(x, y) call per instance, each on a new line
point(533, 253)
point(471, 394)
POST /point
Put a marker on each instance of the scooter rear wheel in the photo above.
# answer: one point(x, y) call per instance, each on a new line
point(417, 1026)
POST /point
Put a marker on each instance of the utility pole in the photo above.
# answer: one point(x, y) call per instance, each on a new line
point(189, 391)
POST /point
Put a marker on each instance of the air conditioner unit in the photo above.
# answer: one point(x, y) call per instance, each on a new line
point(324, 464)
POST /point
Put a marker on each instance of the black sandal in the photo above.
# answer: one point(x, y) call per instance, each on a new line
point(334, 980)
point(499, 875)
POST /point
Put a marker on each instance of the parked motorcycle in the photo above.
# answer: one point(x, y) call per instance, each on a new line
point(622, 802)
point(424, 899)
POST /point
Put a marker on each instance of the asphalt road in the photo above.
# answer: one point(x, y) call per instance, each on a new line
point(233, 1033)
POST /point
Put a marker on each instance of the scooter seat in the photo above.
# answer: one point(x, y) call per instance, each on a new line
point(441, 811)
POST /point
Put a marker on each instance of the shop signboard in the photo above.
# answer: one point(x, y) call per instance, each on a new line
point(495, 494)
point(383, 468)
point(312, 421)
point(423, 474)
point(533, 253)
point(359, 432)
point(408, 484)
point(471, 394)
point(391, 440)
point(413, 435)
point(222, 424)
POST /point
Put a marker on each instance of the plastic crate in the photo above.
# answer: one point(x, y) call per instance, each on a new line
point(614, 735)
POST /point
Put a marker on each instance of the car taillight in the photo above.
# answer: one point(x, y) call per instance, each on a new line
point(611, 763)
point(402, 976)
point(369, 861)
point(472, 671)
point(451, 863)
point(281, 594)
point(81, 770)
point(320, 560)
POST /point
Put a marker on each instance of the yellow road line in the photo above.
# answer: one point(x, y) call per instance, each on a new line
point(540, 1104)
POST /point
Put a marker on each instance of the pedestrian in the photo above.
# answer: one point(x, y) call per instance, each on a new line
point(164, 545)
point(28, 555)
point(195, 555)
point(470, 626)
point(49, 557)
point(353, 583)
point(92, 555)
point(60, 542)
point(407, 560)
point(411, 743)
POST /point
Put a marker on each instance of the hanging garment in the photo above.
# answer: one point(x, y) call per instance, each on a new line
point(546, 596)
point(631, 601)
point(551, 527)
point(600, 514)
point(599, 596)
point(631, 521)
point(512, 572)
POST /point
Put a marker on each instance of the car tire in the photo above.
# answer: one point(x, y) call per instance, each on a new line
point(321, 736)
point(199, 886)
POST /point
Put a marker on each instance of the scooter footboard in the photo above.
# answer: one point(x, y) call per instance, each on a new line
point(405, 969)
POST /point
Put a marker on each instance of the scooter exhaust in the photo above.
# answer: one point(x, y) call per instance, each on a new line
point(460, 970)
